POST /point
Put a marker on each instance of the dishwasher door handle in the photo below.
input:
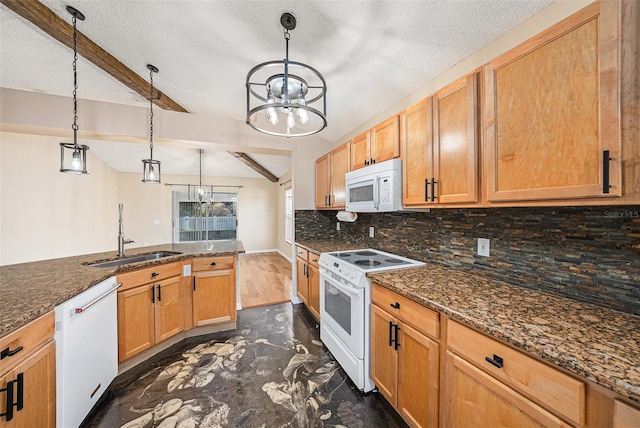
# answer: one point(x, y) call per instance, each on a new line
point(82, 309)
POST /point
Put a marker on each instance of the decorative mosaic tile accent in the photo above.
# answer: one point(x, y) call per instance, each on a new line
point(582, 253)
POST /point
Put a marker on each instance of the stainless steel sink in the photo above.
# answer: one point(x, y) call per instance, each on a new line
point(134, 259)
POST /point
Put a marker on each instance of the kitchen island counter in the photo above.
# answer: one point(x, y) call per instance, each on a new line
point(599, 344)
point(30, 290)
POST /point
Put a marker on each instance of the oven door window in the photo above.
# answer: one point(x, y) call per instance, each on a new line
point(338, 306)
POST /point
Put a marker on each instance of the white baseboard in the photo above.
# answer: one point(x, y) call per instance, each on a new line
point(261, 251)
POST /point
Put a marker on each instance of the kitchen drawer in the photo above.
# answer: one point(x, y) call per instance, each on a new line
point(422, 319)
point(302, 253)
point(313, 258)
point(154, 273)
point(30, 338)
point(625, 416)
point(213, 263)
point(557, 391)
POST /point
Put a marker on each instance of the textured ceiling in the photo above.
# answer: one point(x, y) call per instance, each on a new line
point(371, 53)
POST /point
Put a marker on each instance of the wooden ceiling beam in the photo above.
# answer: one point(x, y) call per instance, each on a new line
point(56, 27)
point(248, 160)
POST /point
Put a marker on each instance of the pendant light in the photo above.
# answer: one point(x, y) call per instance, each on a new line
point(282, 95)
point(75, 162)
point(151, 167)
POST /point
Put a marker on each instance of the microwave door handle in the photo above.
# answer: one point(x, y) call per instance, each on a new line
point(376, 190)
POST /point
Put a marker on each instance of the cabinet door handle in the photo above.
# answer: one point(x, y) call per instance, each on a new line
point(213, 263)
point(395, 305)
point(194, 283)
point(19, 404)
point(366, 163)
point(433, 189)
point(373, 161)
point(159, 293)
point(153, 294)
point(605, 171)
point(8, 352)
point(390, 333)
point(305, 271)
point(496, 361)
point(397, 342)
point(426, 190)
point(154, 274)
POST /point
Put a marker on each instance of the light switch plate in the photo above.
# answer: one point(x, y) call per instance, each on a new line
point(337, 225)
point(371, 232)
point(484, 247)
point(186, 270)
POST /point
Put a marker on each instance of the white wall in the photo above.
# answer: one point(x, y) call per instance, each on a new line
point(47, 214)
point(146, 203)
point(283, 246)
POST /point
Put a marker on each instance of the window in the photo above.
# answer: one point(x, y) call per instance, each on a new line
point(288, 215)
point(211, 218)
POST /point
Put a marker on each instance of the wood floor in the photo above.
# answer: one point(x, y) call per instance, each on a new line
point(265, 279)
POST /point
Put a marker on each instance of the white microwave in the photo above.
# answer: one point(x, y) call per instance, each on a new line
point(375, 188)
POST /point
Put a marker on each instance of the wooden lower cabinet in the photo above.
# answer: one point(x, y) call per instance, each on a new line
point(30, 374)
point(303, 282)
point(147, 315)
point(214, 290)
point(406, 373)
point(314, 290)
point(214, 298)
point(475, 399)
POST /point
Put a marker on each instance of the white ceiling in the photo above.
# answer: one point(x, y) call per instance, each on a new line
point(371, 53)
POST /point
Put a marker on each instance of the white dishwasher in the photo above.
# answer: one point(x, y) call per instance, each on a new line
point(86, 351)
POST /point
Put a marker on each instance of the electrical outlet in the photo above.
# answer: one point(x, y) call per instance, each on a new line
point(337, 225)
point(371, 232)
point(186, 270)
point(484, 247)
point(156, 222)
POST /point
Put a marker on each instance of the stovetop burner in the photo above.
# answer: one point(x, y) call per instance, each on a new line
point(369, 263)
point(342, 255)
point(365, 253)
point(393, 261)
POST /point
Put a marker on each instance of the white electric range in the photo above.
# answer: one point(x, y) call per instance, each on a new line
point(345, 314)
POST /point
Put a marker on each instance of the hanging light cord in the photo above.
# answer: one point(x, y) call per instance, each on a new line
point(75, 85)
point(151, 114)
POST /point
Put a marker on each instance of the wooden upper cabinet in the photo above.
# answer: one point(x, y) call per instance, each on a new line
point(455, 148)
point(417, 152)
point(552, 117)
point(385, 140)
point(322, 181)
point(360, 151)
point(330, 177)
point(439, 144)
point(340, 163)
point(378, 144)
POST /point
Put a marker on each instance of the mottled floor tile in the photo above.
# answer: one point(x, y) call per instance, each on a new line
point(272, 371)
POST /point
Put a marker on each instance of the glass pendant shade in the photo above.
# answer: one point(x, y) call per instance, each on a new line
point(286, 98)
point(73, 158)
point(150, 171)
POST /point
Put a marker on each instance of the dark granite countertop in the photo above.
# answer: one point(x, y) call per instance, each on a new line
point(597, 343)
point(327, 245)
point(29, 290)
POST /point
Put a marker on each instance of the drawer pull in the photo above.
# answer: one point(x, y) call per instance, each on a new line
point(154, 274)
point(213, 263)
point(395, 305)
point(496, 361)
point(9, 352)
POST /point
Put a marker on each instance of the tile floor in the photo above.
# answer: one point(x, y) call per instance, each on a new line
point(272, 371)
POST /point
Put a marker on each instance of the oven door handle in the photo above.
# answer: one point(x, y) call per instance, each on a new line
point(376, 190)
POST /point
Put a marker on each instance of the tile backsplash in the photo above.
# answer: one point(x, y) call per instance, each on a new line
point(583, 253)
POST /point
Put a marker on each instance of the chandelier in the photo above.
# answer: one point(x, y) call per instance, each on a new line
point(151, 167)
point(76, 161)
point(286, 98)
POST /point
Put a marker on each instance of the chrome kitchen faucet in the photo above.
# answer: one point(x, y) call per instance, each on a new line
point(121, 239)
